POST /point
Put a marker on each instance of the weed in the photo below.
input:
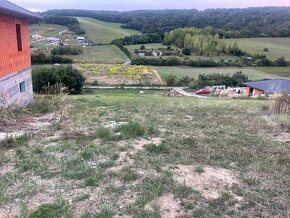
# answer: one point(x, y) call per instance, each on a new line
point(40, 106)
point(153, 130)
point(50, 210)
point(10, 142)
point(127, 174)
point(104, 134)
point(131, 130)
point(105, 213)
point(199, 170)
point(251, 180)
point(157, 149)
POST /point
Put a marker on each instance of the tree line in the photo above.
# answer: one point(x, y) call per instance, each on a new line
point(249, 22)
point(71, 22)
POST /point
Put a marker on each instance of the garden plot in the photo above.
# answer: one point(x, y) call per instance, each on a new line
point(117, 74)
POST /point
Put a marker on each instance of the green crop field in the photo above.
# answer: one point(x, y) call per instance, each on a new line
point(252, 73)
point(103, 32)
point(106, 54)
point(277, 46)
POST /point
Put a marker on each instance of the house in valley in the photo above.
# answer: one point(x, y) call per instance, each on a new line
point(267, 87)
point(15, 62)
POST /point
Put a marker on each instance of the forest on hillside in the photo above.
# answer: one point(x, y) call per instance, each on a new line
point(249, 22)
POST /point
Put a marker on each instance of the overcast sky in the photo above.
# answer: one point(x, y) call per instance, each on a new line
point(126, 5)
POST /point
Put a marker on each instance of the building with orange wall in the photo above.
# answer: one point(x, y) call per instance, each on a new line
point(15, 61)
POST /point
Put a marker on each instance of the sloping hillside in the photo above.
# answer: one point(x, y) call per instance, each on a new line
point(103, 32)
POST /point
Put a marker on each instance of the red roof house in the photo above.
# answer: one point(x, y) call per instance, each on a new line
point(15, 62)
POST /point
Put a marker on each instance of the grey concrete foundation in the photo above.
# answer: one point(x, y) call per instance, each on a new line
point(10, 94)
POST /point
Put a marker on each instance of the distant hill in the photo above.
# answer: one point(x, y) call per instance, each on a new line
point(249, 22)
point(103, 32)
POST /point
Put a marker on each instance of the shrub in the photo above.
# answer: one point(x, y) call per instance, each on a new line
point(69, 77)
point(185, 81)
point(266, 49)
point(264, 62)
point(131, 130)
point(142, 47)
point(186, 51)
point(104, 134)
point(49, 210)
point(39, 57)
point(280, 62)
point(280, 103)
point(157, 149)
point(171, 80)
point(67, 50)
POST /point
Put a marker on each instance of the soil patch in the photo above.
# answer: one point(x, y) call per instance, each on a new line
point(211, 183)
point(169, 206)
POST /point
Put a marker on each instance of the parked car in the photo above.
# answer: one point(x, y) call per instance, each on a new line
point(203, 92)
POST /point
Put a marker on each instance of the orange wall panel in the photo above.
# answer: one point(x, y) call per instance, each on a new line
point(12, 60)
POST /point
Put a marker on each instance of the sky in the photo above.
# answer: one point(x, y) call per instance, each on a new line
point(127, 5)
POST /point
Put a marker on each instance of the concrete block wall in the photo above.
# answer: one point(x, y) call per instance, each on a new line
point(10, 94)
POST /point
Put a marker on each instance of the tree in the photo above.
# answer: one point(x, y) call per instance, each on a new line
point(186, 51)
point(280, 62)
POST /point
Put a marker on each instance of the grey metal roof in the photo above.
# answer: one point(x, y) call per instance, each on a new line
point(271, 86)
point(9, 8)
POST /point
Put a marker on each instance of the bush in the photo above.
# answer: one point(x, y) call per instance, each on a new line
point(42, 58)
point(186, 51)
point(50, 210)
point(171, 80)
point(185, 81)
point(203, 80)
point(266, 49)
point(142, 47)
point(131, 130)
point(157, 149)
point(67, 50)
point(69, 77)
point(280, 62)
point(264, 62)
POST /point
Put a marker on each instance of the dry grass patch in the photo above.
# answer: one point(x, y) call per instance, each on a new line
point(169, 207)
point(210, 182)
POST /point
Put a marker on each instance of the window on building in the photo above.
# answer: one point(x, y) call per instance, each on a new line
point(19, 38)
point(22, 86)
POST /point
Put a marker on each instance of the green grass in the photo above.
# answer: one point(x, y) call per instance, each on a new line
point(105, 54)
point(252, 73)
point(46, 29)
point(277, 46)
point(103, 32)
point(277, 71)
point(91, 177)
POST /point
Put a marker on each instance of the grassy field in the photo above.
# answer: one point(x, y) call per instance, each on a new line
point(50, 30)
point(103, 32)
point(277, 71)
point(106, 54)
point(46, 29)
point(194, 56)
point(277, 46)
point(252, 73)
point(120, 153)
